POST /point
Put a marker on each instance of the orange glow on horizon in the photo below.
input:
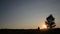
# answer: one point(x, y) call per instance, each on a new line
point(43, 26)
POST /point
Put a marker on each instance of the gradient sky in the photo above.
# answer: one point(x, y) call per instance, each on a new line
point(26, 14)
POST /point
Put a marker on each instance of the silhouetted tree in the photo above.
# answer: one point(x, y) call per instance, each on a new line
point(50, 21)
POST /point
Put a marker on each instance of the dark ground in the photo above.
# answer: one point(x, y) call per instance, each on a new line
point(30, 31)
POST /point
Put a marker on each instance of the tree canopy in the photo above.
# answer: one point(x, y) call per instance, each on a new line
point(50, 21)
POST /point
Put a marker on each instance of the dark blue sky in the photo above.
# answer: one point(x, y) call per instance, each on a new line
point(27, 13)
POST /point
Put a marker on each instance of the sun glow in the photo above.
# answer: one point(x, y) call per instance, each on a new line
point(43, 26)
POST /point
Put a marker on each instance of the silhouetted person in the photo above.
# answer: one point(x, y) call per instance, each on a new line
point(50, 21)
point(38, 28)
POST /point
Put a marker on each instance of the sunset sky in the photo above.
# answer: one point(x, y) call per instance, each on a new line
point(28, 14)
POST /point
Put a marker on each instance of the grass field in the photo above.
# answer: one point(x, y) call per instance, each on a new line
point(30, 31)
